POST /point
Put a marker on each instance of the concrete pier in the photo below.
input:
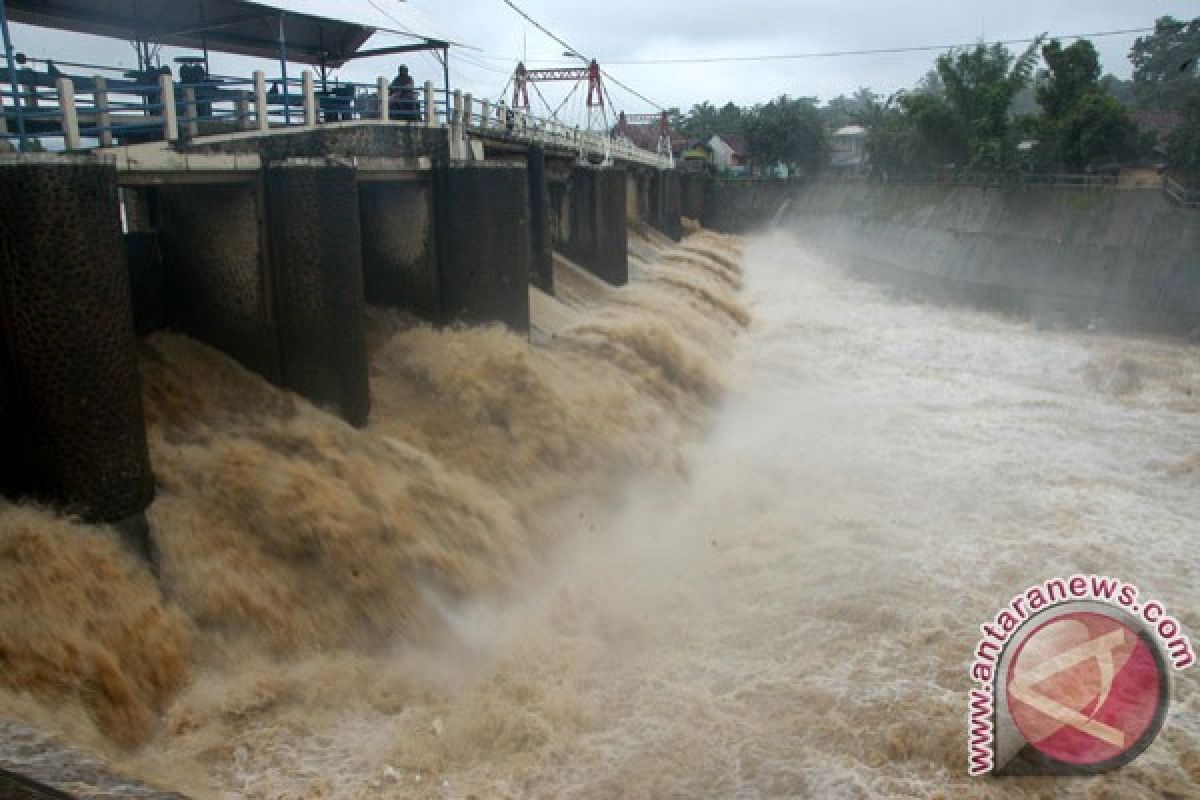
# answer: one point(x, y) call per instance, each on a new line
point(542, 273)
point(484, 243)
point(598, 235)
point(692, 186)
point(316, 268)
point(270, 272)
point(666, 203)
point(71, 421)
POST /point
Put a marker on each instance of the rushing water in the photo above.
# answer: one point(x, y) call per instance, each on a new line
point(781, 603)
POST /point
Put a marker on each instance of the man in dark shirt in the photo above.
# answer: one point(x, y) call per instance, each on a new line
point(402, 97)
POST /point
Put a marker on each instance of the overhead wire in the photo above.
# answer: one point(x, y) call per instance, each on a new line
point(574, 51)
point(544, 29)
point(845, 53)
point(791, 56)
point(475, 62)
point(633, 92)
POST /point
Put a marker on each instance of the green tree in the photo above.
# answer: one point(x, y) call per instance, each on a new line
point(1072, 73)
point(1082, 125)
point(1166, 64)
point(871, 109)
point(1183, 146)
point(838, 112)
point(700, 122)
point(787, 131)
point(931, 83)
point(1122, 90)
point(1097, 131)
point(853, 110)
point(731, 119)
point(980, 85)
point(704, 120)
point(917, 132)
point(939, 137)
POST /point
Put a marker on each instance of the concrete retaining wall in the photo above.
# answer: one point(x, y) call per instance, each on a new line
point(737, 206)
point(1127, 258)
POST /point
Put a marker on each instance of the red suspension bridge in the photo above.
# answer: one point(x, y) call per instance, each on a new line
point(599, 105)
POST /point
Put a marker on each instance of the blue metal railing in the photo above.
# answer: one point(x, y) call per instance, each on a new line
point(102, 111)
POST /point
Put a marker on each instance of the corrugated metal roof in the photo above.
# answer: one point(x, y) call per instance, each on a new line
point(316, 30)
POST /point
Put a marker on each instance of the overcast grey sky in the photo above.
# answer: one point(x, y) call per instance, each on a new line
point(626, 30)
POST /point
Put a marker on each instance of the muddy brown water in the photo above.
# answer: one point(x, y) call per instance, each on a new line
point(652, 555)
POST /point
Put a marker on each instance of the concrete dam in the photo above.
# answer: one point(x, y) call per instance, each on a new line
point(252, 245)
point(350, 463)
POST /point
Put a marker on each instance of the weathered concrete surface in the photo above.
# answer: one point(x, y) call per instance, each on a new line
point(484, 244)
point(541, 239)
point(1125, 258)
point(316, 268)
point(634, 210)
point(39, 767)
point(666, 202)
point(146, 281)
point(739, 205)
point(598, 233)
point(71, 420)
point(216, 272)
point(400, 261)
point(356, 140)
point(692, 187)
point(270, 272)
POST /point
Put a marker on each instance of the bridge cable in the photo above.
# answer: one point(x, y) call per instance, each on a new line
point(574, 89)
point(541, 96)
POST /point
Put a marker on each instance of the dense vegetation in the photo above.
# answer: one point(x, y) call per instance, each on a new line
point(976, 107)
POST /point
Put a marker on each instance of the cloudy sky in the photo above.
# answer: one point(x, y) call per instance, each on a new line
point(616, 31)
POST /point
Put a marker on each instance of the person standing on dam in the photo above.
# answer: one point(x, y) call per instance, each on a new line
point(402, 97)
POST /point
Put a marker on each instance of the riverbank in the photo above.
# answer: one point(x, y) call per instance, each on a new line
point(1104, 257)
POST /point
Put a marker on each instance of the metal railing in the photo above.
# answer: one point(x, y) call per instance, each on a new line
point(90, 112)
point(469, 116)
